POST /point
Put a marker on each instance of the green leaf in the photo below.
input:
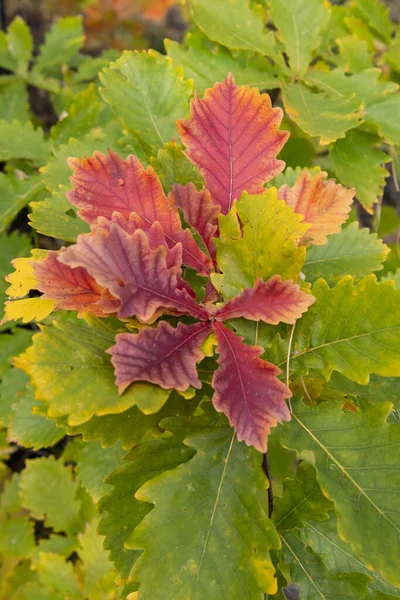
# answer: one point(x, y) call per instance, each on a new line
point(20, 45)
point(15, 195)
point(29, 429)
point(353, 251)
point(56, 544)
point(12, 344)
point(61, 43)
point(354, 55)
point(376, 14)
point(82, 114)
point(58, 575)
point(359, 164)
point(16, 537)
point(122, 511)
point(211, 530)
point(56, 217)
point(49, 493)
point(206, 66)
point(68, 366)
point(95, 464)
point(320, 115)
point(299, 24)
point(383, 115)
point(23, 141)
point(315, 581)
point(35, 590)
point(13, 99)
point(352, 329)
point(357, 472)
point(148, 94)
point(96, 565)
point(337, 555)
point(301, 500)
point(11, 247)
point(379, 389)
point(393, 277)
point(234, 25)
point(266, 243)
point(172, 166)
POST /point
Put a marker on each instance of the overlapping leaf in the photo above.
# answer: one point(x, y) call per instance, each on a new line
point(165, 356)
point(247, 389)
point(215, 543)
point(324, 204)
point(105, 184)
point(358, 473)
point(233, 137)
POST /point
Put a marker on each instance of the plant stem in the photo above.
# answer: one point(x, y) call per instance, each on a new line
point(267, 471)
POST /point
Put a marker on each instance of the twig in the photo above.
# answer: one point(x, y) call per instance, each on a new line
point(266, 469)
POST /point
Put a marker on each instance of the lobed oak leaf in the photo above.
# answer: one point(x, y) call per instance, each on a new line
point(324, 204)
point(233, 137)
point(199, 211)
point(273, 301)
point(247, 389)
point(146, 280)
point(72, 288)
point(105, 184)
point(165, 356)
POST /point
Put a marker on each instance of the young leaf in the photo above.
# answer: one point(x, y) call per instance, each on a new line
point(199, 211)
point(299, 26)
point(377, 16)
point(264, 243)
point(73, 375)
point(353, 251)
point(58, 575)
point(247, 389)
point(146, 280)
point(233, 137)
point(95, 464)
point(72, 289)
point(380, 116)
point(359, 163)
point(96, 565)
point(351, 329)
point(105, 184)
point(234, 25)
point(148, 94)
point(164, 356)
point(16, 537)
point(23, 141)
point(357, 473)
point(211, 529)
point(61, 43)
point(318, 114)
point(323, 204)
point(274, 301)
point(172, 166)
point(20, 45)
point(49, 493)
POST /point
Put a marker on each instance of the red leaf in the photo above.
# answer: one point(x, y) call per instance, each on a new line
point(233, 138)
point(199, 211)
point(105, 184)
point(324, 204)
point(247, 389)
point(73, 289)
point(273, 301)
point(146, 280)
point(164, 356)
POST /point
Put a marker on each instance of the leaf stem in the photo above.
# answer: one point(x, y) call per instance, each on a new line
point(267, 471)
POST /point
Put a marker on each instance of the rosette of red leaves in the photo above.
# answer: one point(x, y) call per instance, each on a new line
point(130, 264)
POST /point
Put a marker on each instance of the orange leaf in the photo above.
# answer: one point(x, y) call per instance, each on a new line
point(233, 137)
point(324, 204)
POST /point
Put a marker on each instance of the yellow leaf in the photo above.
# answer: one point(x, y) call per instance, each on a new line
point(29, 309)
point(23, 279)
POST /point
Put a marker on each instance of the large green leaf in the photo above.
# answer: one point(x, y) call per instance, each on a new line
point(359, 164)
point(265, 242)
point(356, 456)
point(299, 24)
point(16, 537)
point(234, 25)
point(207, 526)
point(21, 140)
point(379, 389)
point(72, 373)
point(353, 251)
point(148, 94)
point(384, 116)
point(206, 66)
point(377, 16)
point(95, 464)
point(353, 329)
point(320, 115)
point(49, 493)
point(122, 510)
